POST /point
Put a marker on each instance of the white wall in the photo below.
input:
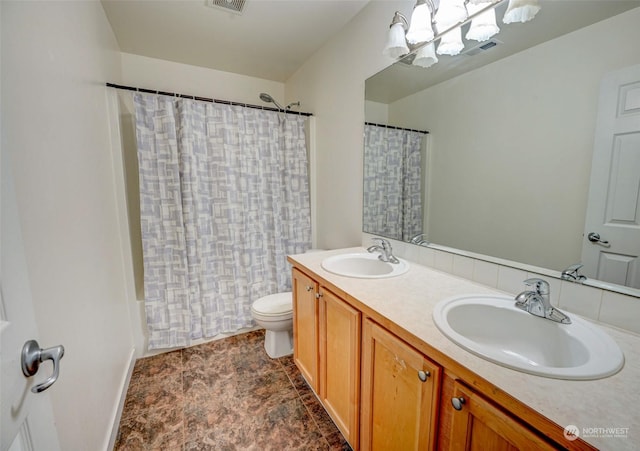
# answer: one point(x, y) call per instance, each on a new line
point(376, 112)
point(331, 84)
point(525, 152)
point(151, 73)
point(56, 58)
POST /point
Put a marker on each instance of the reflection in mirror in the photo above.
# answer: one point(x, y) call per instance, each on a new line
point(393, 181)
point(511, 141)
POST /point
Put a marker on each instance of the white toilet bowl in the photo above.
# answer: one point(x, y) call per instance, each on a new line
point(275, 313)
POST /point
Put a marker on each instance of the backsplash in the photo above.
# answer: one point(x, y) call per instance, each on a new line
point(614, 309)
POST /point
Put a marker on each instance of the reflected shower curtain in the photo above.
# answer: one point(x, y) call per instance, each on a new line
point(224, 197)
point(392, 182)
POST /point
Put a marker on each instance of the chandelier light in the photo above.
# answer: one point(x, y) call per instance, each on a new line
point(483, 26)
point(421, 29)
point(447, 17)
point(521, 11)
point(426, 56)
point(396, 43)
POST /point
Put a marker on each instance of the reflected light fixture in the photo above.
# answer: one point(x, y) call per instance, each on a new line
point(483, 26)
point(447, 17)
point(426, 56)
point(521, 11)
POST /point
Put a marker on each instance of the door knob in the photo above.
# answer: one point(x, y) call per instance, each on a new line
point(423, 375)
point(595, 238)
point(33, 355)
point(457, 402)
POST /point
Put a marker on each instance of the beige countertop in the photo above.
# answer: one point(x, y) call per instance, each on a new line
point(593, 406)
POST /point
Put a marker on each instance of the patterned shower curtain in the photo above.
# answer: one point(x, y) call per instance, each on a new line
point(392, 182)
point(224, 197)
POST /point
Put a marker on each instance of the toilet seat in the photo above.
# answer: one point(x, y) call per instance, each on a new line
point(278, 306)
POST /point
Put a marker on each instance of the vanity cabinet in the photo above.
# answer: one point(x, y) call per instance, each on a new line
point(387, 390)
point(400, 390)
point(306, 327)
point(478, 424)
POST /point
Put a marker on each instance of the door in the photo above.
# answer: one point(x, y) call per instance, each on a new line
point(340, 363)
point(305, 327)
point(479, 425)
point(611, 243)
point(399, 394)
point(27, 418)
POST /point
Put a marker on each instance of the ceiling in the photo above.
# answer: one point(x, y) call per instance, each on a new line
point(556, 18)
point(270, 39)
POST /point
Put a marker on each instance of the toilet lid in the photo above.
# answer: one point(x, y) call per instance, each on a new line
point(274, 304)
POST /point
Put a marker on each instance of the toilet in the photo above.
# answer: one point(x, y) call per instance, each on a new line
point(275, 313)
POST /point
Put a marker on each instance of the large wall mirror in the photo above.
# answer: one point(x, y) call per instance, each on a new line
point(509, 168)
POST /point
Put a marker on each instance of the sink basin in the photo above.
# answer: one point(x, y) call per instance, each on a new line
point(494, 329)
point(364, 266)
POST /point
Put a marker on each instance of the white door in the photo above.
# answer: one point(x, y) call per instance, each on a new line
point(27, 418)
point(611, 245)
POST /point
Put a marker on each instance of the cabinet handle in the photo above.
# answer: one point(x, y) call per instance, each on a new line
point(423, 375)
point(308, 288)
point(457, 402)
point(319, 295)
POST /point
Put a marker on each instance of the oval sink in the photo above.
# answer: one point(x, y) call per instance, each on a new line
point(363, 265)
point(494, 329)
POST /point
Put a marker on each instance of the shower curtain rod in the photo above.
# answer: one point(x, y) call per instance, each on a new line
point(205, 99)
point(397, 128)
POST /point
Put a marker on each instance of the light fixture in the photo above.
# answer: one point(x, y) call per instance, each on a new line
point(450, 12)
point(421, 29)
point(426, 56)
point(483, 26)
point(451, 42)
point(521, 11)
point(448, 17)
point(396, 43)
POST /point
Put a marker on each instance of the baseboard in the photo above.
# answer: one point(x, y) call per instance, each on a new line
point(123, 394)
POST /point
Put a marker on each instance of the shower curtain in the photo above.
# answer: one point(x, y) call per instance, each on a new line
point(224, 197)
point(392, 182)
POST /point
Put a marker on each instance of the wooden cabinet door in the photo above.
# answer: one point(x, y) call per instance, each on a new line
point(305, 326)
point(480, 425)
point(399, 409)
point(340, 336)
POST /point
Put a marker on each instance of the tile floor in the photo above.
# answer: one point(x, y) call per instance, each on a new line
point(223, 395)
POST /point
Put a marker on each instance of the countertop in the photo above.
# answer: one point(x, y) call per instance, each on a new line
point(593, 406)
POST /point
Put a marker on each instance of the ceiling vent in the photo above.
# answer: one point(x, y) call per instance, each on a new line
point(482, 47)
point(232, 6)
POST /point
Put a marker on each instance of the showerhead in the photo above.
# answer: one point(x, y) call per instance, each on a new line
point(292, 104)
point(267, 98)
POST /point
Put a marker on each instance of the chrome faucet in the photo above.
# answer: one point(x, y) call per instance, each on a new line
point(384, 247)
point(419, 239)
point(572, 273)
point(537, 301)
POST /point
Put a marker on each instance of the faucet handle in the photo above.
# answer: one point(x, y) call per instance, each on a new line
point(384, 243)
point(541, 286)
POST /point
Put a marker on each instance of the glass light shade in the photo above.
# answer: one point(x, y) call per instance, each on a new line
point(420, 29)
point(450, 12)
point(451, 42)
point(426, 56)
point(484, 25)
point(396, 44)
point(521, 11)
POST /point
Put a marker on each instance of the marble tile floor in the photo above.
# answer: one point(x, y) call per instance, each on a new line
point(223, 395)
